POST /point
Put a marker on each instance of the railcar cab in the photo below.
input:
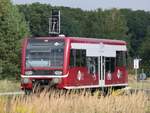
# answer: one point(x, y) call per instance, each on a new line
point(42, 62)
point(70, 63)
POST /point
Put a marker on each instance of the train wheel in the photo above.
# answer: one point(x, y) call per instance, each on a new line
point(28, 91)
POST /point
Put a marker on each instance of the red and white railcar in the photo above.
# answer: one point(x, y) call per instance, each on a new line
point(71, 62)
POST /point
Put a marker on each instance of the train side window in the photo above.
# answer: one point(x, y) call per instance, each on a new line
point(110, 64)
point(121, 58)
point(92, 65)
point(77, 57)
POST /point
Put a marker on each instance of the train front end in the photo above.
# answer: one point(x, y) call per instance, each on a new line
point(42, 63)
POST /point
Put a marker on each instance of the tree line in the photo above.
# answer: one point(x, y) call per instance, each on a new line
point(19, 21)
point(13, 28)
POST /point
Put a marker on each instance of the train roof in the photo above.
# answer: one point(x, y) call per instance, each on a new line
point(86, 40)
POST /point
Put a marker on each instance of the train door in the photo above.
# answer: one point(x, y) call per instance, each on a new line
point(101, 71)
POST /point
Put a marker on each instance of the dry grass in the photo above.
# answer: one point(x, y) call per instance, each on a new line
point(9, 86)
point(142, 84)
point(55, 102)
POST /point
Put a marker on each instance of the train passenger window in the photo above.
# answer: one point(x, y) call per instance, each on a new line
point(77, 57)
point(110, 64)
point(92, 65)
point(120, 58)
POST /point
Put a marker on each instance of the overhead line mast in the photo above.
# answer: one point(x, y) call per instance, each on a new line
point(54, 23)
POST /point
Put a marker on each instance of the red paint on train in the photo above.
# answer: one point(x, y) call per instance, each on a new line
point(69, 77)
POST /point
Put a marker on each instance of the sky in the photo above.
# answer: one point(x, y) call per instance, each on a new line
point(94, 4)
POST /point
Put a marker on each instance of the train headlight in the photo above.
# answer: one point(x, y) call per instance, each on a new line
point(57, 80)
point(58, 72)
point(25, 80)
point(28, 73)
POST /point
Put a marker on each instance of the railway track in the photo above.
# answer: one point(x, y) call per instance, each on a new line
point(12, 93)
point(147, 91)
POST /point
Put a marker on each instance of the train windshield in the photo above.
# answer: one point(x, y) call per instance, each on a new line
point(45, 53)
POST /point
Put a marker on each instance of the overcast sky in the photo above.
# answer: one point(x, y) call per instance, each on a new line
point(94, 4)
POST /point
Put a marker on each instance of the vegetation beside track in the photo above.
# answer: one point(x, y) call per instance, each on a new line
point(84, 102)
point(141, 84)
point(9, 86)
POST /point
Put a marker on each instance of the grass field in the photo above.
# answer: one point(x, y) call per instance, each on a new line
point(83, 102)
point(9, 85)
point(142, 84)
